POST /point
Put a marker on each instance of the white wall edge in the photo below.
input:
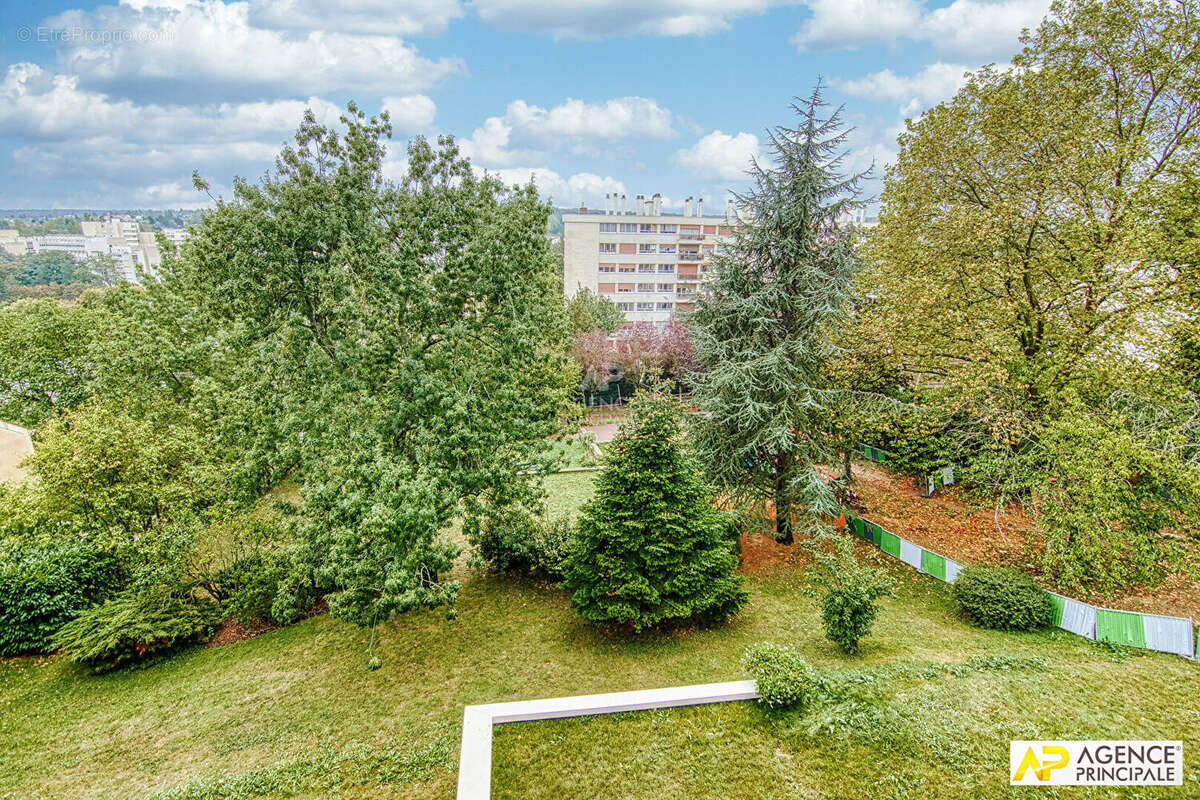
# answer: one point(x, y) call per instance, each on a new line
point(475, 758)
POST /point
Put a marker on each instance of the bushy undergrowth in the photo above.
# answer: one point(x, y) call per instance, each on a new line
point(1001, 598)
point(526, 545)
point(784, 678)
point(44, 586)
point(135, 625)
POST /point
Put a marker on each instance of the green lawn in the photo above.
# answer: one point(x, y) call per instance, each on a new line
point(295, 713)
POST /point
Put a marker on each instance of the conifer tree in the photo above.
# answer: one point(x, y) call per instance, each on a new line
point(651, 550)
point(762, 327)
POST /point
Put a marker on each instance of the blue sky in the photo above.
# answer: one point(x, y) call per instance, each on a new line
point(113, 106)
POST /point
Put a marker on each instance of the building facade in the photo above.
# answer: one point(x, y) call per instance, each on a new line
point(649, 263)
point(133, 250)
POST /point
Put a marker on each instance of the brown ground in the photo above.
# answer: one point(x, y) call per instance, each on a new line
point(14, 447)
point(951, 524)
point(233, 631)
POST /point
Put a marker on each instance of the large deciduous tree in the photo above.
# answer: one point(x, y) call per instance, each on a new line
point(762, 327)
point(1022, 237)
point(403, 345)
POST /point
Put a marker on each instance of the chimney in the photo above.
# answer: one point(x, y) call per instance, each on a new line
point(656, 210)
point(622, 204)
point(729, 209)
point(700, 207)
point(607, 203)
point(641, 204)
point(582, 209)
point(687, 206)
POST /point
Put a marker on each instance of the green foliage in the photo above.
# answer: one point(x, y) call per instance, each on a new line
point(784, 678)
point(44, 586)
point(588, 311)
point(251, 585)
point(115, 472)
point(136, 625)
point(44, 364)
point(1107, 492)
point(848, 609)
point(650, 550)
point(762, 329)
point(1002, 598)
point(526, 545)
point(399, 348)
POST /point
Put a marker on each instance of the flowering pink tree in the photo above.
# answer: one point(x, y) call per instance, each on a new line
point(638, 354)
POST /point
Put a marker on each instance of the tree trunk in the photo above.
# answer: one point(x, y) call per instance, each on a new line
point(783, 506)
point(846, 476)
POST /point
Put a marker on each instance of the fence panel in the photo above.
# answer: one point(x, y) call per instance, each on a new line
point(1120, 627)
point(1170, 634)
point(910, 554)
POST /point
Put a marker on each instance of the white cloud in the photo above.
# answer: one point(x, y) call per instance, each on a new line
point(981, 28)
point(620, 118)
point(978, 30)
point(837, 24)
point(719, 155)
point(911, 93)
point(375, 17)
point(526, 131)
point(208, 46)
point(582, 187)
point(412, 113)
point(596, 19)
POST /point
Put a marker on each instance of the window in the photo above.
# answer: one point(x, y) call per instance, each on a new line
point(710, 228)
point(645, 268)
point(646, 227)
point(608, 267)
point(666, 267)
point(689, 228)
point(625, 289)
point(606, 288)
point(647, 248)
point(629, 227)
point(667, 228)
point(608, 227)
point(608, 247)
point(628, 268)
point(666, 287)
point(666, 248)
point(645, 287)
point(645, 306)
point(665, 306)
point(625, 306)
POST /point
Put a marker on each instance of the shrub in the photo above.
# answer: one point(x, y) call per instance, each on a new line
point(651, 550)
point(135, 625)
point(1001, 598)
point(784, 678)
point(525, 545)
point(43, 587)
point(847, 615)
point(251, 585)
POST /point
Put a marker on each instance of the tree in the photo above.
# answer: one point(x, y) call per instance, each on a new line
point(588, 311)
point(651, 551)
point(1020, 240)
point(762, 327)
point(403, 345)
point(44, 363)
point(99, 270)
point(47, 266)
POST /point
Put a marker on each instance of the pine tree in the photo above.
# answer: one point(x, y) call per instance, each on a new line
point(762, 327)
point(651, 550)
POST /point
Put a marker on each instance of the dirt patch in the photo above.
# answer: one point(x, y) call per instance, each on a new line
point(232, 630)
point(952, 524)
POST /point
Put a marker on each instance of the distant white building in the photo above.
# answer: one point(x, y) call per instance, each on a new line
point(649, 263)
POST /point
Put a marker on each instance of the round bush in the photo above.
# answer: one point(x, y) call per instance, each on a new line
point(43, 587)
point(784, 678)
point(1002, 598)
point(847, 615)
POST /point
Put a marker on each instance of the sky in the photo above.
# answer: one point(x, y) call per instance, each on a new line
point(114, 106)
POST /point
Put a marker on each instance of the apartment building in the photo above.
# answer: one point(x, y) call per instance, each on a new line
point(649, 263)
point(133, 250)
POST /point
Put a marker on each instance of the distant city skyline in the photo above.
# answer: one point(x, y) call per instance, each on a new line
point(114, 106)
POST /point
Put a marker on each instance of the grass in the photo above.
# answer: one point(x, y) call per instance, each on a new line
point(295, 713)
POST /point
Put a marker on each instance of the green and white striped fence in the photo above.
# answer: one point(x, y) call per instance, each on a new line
point(1151, 631)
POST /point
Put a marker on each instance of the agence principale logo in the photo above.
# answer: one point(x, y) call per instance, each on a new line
point(1095, 763)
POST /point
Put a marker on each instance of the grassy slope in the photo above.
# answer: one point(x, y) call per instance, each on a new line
point(295, 713)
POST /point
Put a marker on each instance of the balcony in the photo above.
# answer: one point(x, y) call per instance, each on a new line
point(690, 256)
